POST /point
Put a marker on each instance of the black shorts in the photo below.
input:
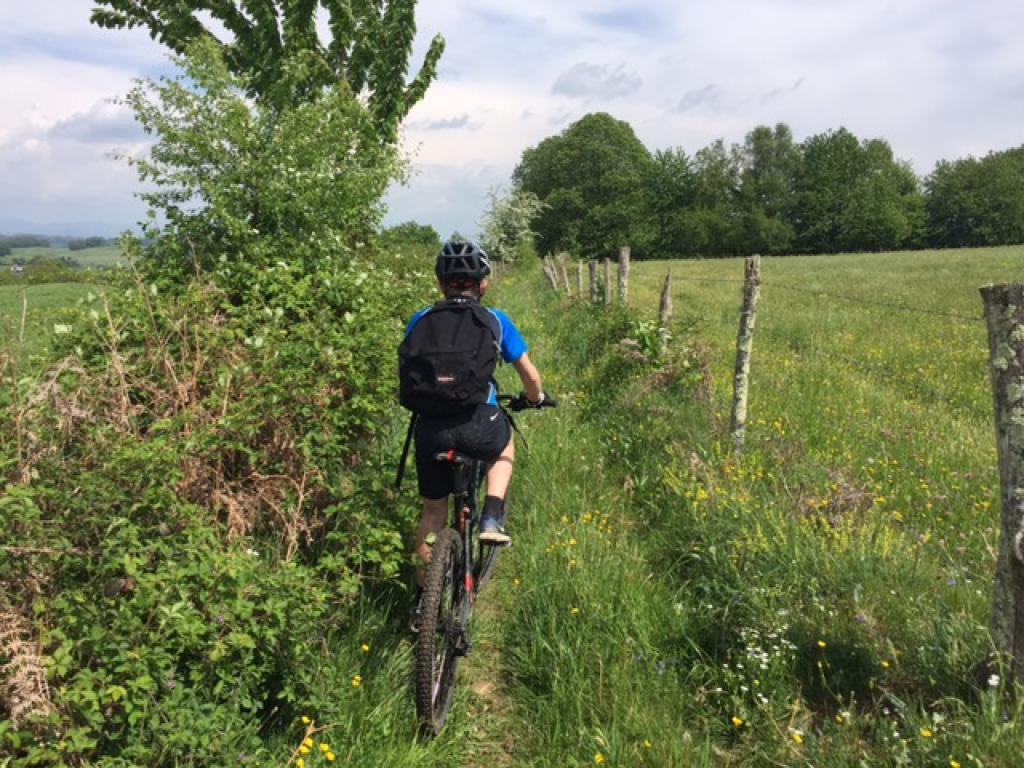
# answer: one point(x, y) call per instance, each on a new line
point(481, 433)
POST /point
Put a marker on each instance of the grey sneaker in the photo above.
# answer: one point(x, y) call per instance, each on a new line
point(492, 531)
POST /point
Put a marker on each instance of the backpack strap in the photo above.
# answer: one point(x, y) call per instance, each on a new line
point(405, 452)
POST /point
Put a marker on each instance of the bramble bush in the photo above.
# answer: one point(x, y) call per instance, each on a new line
point(196, 492)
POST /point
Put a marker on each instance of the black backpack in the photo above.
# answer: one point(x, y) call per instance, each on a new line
point(446, 364)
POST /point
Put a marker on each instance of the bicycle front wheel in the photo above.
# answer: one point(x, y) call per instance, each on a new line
point(441, 633)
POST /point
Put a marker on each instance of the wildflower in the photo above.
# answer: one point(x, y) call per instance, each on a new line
point(516, 583)
point(330, 757)
point(926, 733)
point(365, 647)
point(885, 664)
point(599, 759)
point(325, 748)
point(737, 721)
point(575, 611)
point(797, 736)
point(572, 563)
point(648, 744)
point(303, 750)
point(307, 742)
point(357, 681)
point(572, 542)
point(300, 763)
point(953, 763)
point(993, 681)
point(306, 720)
point(822, 644)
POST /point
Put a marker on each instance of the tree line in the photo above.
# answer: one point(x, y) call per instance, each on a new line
point(600, 188)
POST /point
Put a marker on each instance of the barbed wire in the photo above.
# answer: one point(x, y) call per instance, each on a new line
point(832, 295)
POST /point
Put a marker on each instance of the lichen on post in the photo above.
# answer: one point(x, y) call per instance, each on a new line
point(1004, 315)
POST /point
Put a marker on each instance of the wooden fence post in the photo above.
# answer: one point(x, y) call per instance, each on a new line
point(607, 281)
point(549, 271)
point(665, 309)
point(744, 344)
point(565, 276)
point(1004, 314)
point(579, 280)
point(624, 274)
point(593, 281)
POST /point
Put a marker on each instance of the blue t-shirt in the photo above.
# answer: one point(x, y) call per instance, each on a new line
point(512, 344)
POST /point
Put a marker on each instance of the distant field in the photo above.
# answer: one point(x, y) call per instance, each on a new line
point(44, 304)
point(105, 257)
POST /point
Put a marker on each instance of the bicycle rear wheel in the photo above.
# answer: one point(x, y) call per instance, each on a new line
point(441, 633)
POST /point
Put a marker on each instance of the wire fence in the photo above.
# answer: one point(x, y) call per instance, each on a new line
point(822, 293)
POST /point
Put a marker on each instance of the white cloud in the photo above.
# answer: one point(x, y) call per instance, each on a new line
point(937, 78)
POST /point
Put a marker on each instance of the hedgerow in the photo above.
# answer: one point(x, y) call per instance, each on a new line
point(195, 491)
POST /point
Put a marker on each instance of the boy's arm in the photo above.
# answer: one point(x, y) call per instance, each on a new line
point(530, 377)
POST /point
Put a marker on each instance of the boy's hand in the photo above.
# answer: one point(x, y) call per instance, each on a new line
point(522, 402)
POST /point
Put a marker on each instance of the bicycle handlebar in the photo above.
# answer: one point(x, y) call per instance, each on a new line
point(521, 403)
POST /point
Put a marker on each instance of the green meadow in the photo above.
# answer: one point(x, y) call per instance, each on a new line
point(31, 315)
point(820, 599)
point(104, 257)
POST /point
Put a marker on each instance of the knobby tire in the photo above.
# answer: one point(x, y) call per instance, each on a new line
point(442, 615)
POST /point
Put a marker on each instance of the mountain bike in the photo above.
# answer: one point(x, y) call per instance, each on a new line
point(460, 565)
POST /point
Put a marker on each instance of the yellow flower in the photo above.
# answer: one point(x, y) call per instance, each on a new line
point(300, 763)
point(516, 583)
point(303, 750)
point(926, 733)
point(572, 563)
point(575, 611)
point(737, 721)
point(365, 647)
point(797, 736)
point(648, 744)
point(307, 742)
point(330, 757)
point(325, 748)
point(953, 763)
point(306, 720)
point(572, 542)
point(599, 759)
point(357, 681)
point(885, 664)
point(822, 644)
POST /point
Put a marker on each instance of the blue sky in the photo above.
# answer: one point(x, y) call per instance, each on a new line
point(937, 78)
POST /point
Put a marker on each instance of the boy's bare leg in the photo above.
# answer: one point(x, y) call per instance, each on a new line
point(500, 474)
point(432, 520)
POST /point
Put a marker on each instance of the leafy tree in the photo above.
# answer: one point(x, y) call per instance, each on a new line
point(80, 244)
point(715, 224)
point(770, 162)
point(972, 202)
point(5, 250)
point(506, 225)
point(855, 196)
point(669, 189)
point(590, 178)
point(275, 51)
point(237, 181)
point(411, 234)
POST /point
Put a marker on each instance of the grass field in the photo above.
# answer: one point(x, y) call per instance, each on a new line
point(42, 305)
point(105, 257)
point(820, 600)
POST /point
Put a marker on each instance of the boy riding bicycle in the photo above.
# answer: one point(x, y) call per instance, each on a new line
point(446, 370)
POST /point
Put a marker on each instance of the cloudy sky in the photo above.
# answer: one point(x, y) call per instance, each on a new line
point(937, 78)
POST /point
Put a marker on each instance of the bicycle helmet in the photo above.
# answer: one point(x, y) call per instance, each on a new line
point(462, 260)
